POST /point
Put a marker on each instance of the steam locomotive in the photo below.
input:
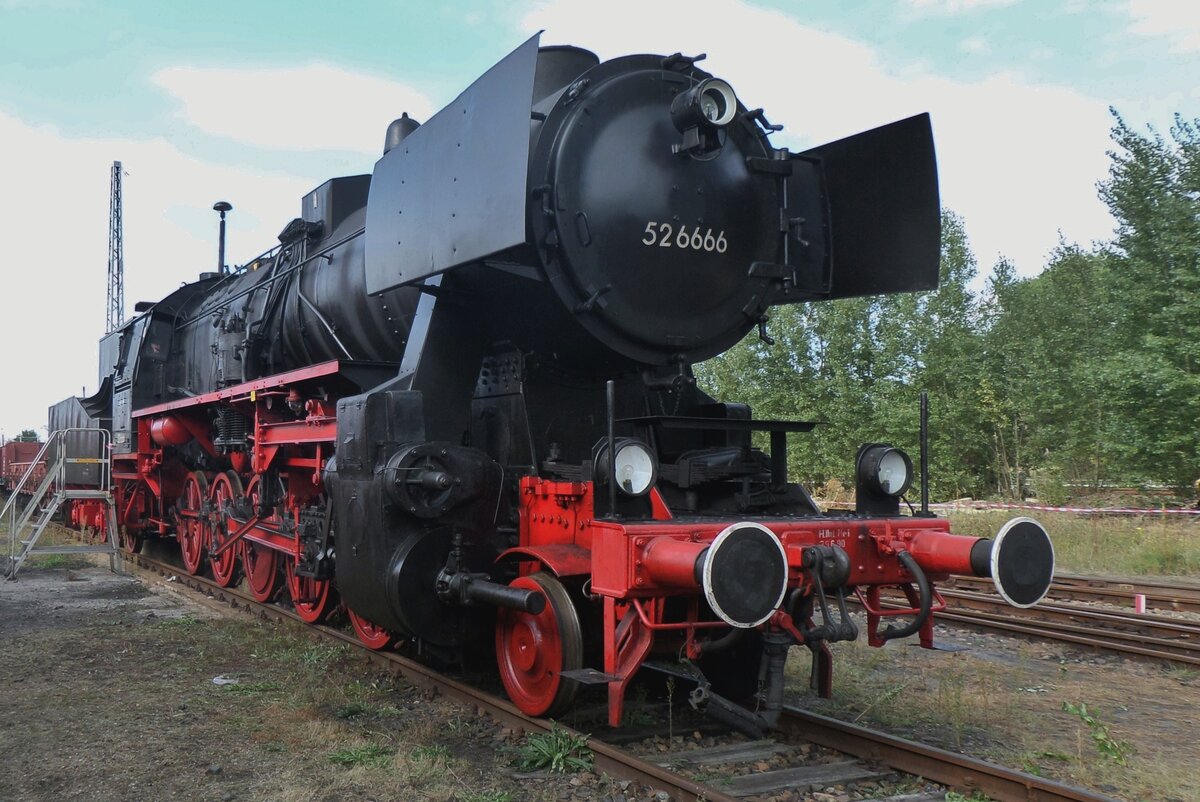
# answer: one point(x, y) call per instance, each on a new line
point(459, 392)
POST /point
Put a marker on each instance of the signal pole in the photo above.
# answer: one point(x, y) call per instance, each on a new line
point(116, 256)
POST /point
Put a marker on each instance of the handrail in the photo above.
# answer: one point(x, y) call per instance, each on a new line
point(10, 506)
point(55, 475)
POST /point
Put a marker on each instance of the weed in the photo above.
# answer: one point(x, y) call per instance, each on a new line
point(321, 654)
point(183, 623)
point(635, 701)
point(637, 718)
point(434, 754)
point(557, 750)
point(1116, 750)
point(884, 698)
point(976, 796)
point(353, 710)
point(251, 688)
point(486, 796)
point(55, 561)
point(1181, 674)
point(366, 755)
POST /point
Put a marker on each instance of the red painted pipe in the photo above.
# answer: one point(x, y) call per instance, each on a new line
point(943, 553)
point(673, 563)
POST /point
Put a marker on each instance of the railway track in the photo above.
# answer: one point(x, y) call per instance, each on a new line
point(869, 749)
point(1143, 635)
point(1120, 592)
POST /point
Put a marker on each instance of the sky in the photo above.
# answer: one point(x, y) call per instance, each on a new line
point(256, 103)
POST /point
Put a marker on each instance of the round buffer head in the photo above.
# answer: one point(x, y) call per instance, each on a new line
point(745, 574)
point(1022, 562)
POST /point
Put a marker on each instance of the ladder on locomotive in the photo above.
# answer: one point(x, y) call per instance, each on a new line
point(52, 490)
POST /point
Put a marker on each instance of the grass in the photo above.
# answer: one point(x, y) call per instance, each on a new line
point(250, 688)
point(1142, 546)
point(298, 698)
point(486, 796)
point(56, 560)
point(363, 755)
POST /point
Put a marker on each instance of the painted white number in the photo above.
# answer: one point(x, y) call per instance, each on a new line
point(660, 234)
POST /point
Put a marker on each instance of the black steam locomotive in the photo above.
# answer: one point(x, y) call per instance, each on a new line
point(459, 392)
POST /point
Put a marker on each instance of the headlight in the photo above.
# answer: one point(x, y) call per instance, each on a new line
point(636, 466)
point(710, 103)
point(885, 470)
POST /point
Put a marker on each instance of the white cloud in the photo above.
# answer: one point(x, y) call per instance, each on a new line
point(1177, 20)
point(317, 107)
point(975, 45)
point(957, 6)
point(56, 199)
point(1019, 161)
point(55, 208)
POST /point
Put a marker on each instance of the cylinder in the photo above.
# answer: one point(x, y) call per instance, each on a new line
point(169, 431)
point(674, 563)
point(943, 553)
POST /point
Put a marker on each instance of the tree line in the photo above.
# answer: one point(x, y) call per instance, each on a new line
point(1085, 374)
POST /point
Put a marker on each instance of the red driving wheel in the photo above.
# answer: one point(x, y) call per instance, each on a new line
point(373, 636)
point(225, 488)
point(189, 530)
point(533, 650)
point(313, 599)
point(260, 563)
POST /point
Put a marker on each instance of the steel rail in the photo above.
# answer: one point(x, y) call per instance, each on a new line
point(938, 765)
point(1049, 631)
point(1177, 634)
point(1023, 622)
point(1112, 590)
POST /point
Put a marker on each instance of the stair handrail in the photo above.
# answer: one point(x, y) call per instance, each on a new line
point(10, 506)
point(60, 468)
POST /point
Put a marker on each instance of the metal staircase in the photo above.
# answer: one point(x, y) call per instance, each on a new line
point(50, 494)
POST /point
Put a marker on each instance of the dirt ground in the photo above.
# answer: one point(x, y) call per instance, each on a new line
point(107, 693)
point(1002, 698)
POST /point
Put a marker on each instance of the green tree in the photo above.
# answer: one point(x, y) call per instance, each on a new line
point(1153, 370)
point(1045, 405)
point(27, 436)
point(858, 365)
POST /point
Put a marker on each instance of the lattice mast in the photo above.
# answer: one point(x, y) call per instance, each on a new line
point(116, 255)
